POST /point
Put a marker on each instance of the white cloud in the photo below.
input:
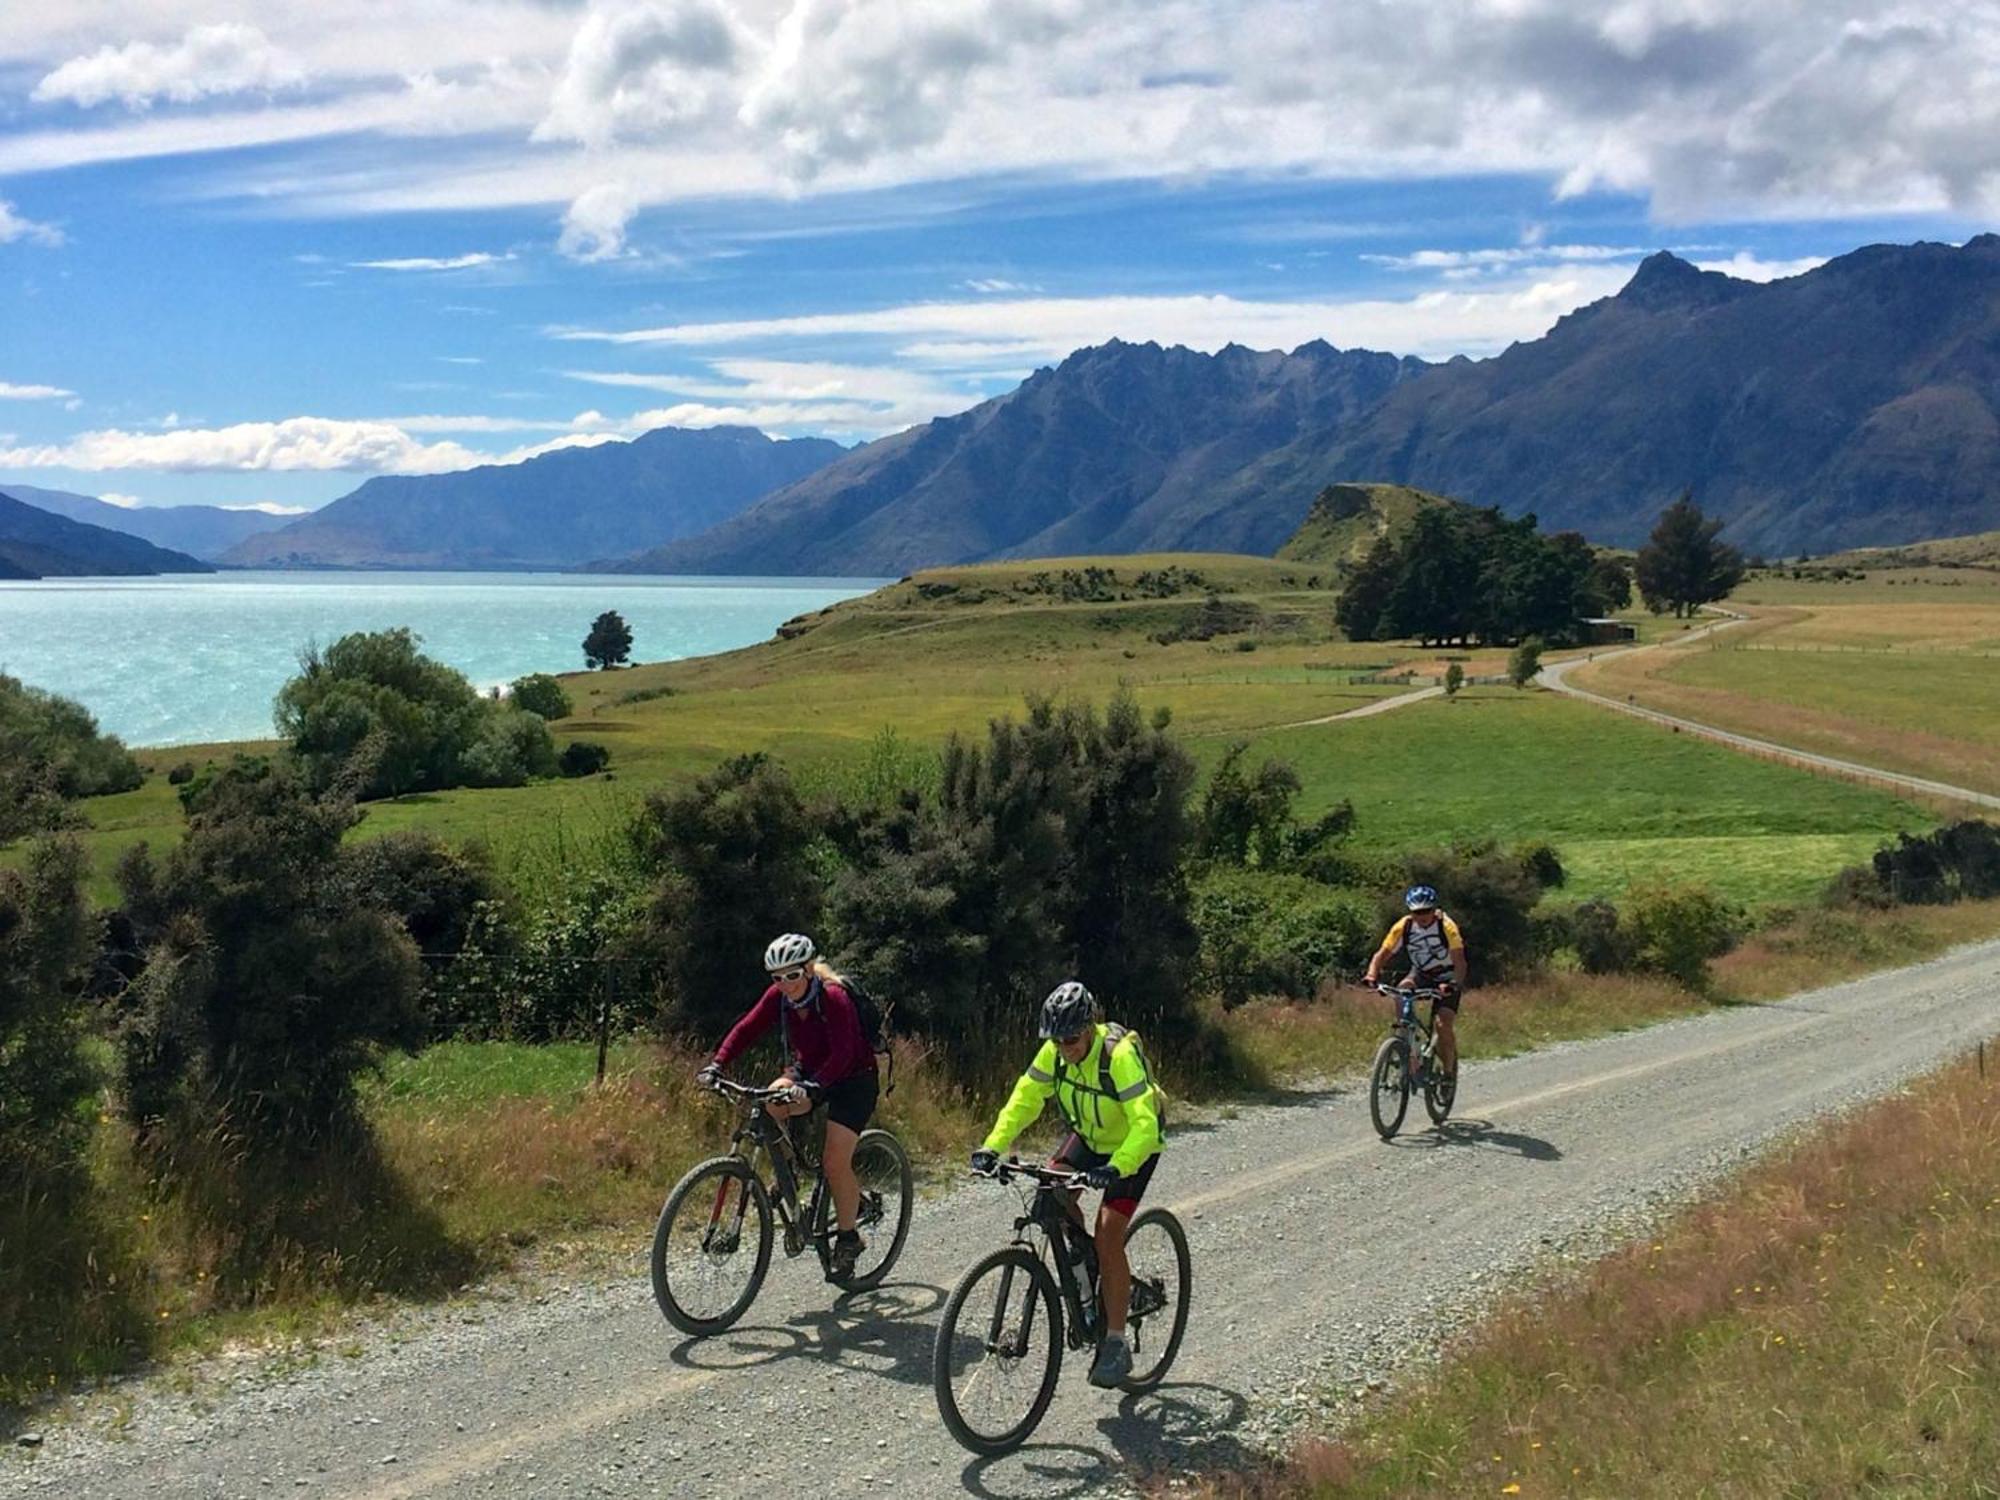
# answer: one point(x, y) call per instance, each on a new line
point(460, 359)
point(1503, 259)
point(12, 392)
point(271, 508)
point(1433, 324)
point(123, 502)
point(594, 225)
point(433, 262)
point(297, 443)
point(1747, 267)
point(14, 227)
point(793, 395)
point(643, 68)
point(210, 60)
point(994, 285)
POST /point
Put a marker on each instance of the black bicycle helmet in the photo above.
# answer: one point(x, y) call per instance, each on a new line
point(1068, 1009)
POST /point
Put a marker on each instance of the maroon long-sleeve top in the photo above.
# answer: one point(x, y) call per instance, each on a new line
point(827, 1044)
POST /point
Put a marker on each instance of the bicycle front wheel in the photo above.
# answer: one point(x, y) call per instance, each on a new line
point(1389, 1086)
point(712, 1246)
point(882, 1168)
point(998, 1352)
point(1439, 1093)
point(1156, 1248)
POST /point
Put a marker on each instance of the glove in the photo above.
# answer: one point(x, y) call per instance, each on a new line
point(798, 1093)
point(1100, 1177)
point(984, 1162)
point(709, 1075)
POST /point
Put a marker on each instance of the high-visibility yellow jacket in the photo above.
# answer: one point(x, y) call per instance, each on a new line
point(1122, 1123)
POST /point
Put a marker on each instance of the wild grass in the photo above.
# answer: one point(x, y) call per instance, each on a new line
point(1829, 1325)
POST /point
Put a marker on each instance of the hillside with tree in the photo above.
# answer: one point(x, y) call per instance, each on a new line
point(37, 544)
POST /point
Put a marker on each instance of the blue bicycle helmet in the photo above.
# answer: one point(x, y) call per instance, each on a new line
point(1420, 897)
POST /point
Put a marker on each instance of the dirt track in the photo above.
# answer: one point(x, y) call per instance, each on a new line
point(1323, 1258)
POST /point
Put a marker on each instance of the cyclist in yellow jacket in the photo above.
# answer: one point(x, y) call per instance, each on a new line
point(1107, 1097)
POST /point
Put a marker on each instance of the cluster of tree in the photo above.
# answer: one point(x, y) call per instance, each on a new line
point(1958, 862)
point(1671, 930)
point(1683, 566)
point(1463, 575)
point(374, 716)
point(51, 753)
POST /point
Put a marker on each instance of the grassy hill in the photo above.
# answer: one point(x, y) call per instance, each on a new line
point(1981, 550)
point(1346, 519)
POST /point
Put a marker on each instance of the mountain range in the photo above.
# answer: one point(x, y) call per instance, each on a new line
point(37, 544)
point(204, 531)
point(557, 510)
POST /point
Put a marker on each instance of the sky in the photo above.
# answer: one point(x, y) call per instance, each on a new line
point(255, 251)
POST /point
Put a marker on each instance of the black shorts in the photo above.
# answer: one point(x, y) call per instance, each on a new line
point(850, 1102)
point(1445, 1002)
point(1124, 1194)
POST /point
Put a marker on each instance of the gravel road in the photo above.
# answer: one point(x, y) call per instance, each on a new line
point(1324, 1260)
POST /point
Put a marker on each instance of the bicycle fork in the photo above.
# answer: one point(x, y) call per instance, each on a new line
point(997, 1339)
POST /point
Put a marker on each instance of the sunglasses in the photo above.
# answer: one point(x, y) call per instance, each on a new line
point(1073, 1039)
point(789, 976)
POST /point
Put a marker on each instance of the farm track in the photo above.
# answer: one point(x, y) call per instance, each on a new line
point(1324, 1260)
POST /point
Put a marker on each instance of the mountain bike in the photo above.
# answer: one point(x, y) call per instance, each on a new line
point(1000, 1345)
point(1404, 1064)
point(712, 1247)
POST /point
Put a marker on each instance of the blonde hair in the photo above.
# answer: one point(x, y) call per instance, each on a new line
point(825, 973)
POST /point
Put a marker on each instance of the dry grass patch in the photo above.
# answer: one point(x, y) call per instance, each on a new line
point(1830, 1326)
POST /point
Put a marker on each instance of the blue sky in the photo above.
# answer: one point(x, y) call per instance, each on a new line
point(248, 257)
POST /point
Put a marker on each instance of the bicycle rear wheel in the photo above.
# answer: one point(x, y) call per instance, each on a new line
point(1156, 1247)
point(712, 1246)
point(1389, 1086)
point(998, 1352)
point(882, 1167)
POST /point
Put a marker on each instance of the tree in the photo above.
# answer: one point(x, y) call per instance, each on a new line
point(513, 747)
point(1683, 566)
point(610, 641)
point(1360, 607)
point(1242, 813)
point(50, 752)
point(375, 715)
point(1524, 662)
point(48, 937)
point(1454, 679)
point(539, 693)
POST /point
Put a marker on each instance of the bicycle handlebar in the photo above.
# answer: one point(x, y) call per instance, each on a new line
point(1013, 1167)
point(1396, 991)
point(730, 1089)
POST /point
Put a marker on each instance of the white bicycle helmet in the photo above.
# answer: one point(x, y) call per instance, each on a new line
point(789, 951)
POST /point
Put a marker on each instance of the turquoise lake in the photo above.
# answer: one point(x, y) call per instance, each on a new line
point(178, 661)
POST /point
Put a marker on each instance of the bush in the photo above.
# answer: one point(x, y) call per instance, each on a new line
point(1959, 862)
point(1602, 945)
point(539, 693)
point(582, 758)
point(47, 939)
point(50, 752)
point(1676, 930)
point(1268, 933)
point(375, 716)
point(265, 989)
point(730, 857)
point(1524, 661)
point(1491, 893)
point(181, 774)
point(513, 748)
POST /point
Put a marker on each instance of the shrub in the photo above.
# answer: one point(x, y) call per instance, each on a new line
point(265, 989)
point(47, 938)
point(513, 747)
point(1491, 894)
point(1602, 945)
point(50, 751)
point(181, 774)
point(1678, 929)
point(731, 867)
point(539, 693)
point(1524, 661)
point(582, 758)
point(375, 716)
point(1959, 862)
point(1265, 933)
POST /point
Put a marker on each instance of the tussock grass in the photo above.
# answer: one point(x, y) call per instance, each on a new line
point(1829, 1326)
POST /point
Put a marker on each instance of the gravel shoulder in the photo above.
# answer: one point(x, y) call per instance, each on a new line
point(1324, 1260)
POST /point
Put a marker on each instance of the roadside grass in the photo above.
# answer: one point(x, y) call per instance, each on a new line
point(1619, 799)
point(1827, 1325)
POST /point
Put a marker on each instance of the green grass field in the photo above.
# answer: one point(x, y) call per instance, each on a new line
point(1621, 800)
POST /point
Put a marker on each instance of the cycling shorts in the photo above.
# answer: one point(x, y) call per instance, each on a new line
point(850, 1102)
point(1123, 1196)
point(1431, 982)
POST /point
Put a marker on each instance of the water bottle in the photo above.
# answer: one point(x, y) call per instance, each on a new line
point(1080, 1275)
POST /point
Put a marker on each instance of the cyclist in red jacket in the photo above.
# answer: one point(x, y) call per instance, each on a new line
point(830, 1063)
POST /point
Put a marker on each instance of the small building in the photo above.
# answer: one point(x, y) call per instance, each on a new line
point(1605, 631)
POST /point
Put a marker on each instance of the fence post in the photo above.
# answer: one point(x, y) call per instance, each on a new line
point(604, 1015)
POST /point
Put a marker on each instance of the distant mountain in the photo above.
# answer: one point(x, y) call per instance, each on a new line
point(1121, 448)
point(1856, 404)
point(557, 510)
point(37, 544)
point(1346, 519)
point(204, 531)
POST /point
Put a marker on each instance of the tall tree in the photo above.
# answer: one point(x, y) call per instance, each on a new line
point(1683, 566)
point(609, 643)
point(1359, 610)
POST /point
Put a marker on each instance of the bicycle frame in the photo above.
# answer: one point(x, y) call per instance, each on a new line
point(759, 1134)
point(1412, 1025)
point(1063, 1241)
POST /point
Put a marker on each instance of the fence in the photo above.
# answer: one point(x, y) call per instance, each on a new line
point(538, 997)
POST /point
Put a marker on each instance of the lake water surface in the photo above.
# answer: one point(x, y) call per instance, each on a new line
point(184, 660)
